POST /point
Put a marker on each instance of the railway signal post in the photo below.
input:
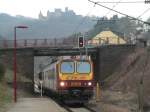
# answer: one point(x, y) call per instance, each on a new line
point(41, 83)
point(80, 41)
point(80, 44)
point(97, 92)
point(141, 96)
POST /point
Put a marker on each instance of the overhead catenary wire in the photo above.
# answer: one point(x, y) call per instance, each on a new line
point(123, 2)
point(113, 7)
point(131, 17)
point(83, 20)
point(144, 12)
point(109, 12)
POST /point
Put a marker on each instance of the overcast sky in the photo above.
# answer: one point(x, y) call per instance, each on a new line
point(31, 8)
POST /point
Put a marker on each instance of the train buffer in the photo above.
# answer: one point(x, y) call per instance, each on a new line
point(36, 105)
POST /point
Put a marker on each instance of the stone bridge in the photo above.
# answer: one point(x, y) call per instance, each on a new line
point(106, 58)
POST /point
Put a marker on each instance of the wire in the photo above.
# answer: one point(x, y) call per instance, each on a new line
point(113, 7)
point(82, 21)
point(123, 2)
point(109, 12)
point(134, 18)
point(143, 13)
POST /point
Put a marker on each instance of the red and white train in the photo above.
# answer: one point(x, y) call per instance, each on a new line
point(69, 78)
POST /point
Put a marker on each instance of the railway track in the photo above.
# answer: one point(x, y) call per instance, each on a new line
point(80, 109)
point(73, 108)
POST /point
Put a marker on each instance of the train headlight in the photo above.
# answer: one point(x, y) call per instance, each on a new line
point(89, 83)
point(62, 84)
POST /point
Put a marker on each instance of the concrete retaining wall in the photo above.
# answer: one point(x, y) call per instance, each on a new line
point(25, 61)
point(108, 58)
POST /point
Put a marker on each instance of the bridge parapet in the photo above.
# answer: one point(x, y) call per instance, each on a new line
point(52, 43)
point(25, 43)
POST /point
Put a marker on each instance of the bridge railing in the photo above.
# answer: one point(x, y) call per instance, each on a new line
point(55, 43)
point(25, 43)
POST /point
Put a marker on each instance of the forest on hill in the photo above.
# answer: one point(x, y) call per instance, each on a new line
point(123, 26)
point(60, 24)
point(55, 24)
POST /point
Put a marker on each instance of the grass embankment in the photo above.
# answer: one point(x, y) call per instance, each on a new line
point(5, 91)
point(5, 96)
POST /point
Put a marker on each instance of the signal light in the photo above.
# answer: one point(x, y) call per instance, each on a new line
point(81, 42)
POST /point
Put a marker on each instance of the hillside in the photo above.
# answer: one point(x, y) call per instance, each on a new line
point(127, 77)
point(56, 24)
point(0, 37)
point(5, 91)
point(5, 96)
point(120, 92)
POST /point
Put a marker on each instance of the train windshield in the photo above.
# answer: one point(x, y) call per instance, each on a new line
point(67, 67)
point(83, 67)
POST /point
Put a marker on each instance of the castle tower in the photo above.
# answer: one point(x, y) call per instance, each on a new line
point(41, 17)
point(48, 13)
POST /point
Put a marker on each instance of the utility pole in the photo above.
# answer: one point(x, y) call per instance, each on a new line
point(140, 95)
point(14, 62)
point(141, 84)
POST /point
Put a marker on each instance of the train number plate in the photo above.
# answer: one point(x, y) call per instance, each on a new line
point(75, 84)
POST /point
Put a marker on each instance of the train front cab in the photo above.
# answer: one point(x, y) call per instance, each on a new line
point(75, 80)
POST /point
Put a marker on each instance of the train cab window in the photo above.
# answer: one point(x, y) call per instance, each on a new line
point(83, 67)
point(67, 67)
